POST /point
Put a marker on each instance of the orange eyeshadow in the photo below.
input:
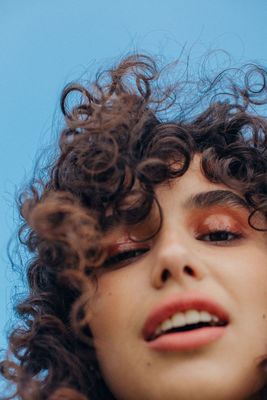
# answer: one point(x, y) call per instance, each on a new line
point(219, 218)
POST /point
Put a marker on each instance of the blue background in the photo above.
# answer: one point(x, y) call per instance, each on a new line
point(46, 43)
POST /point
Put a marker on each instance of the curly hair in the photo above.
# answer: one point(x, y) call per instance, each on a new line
point(115, 149)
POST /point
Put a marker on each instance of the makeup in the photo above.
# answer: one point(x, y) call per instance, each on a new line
point(196, 333)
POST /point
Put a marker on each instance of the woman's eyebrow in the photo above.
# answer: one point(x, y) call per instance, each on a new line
point(216, 198)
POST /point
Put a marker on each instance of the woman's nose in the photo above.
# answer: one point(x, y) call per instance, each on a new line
point(176, 261)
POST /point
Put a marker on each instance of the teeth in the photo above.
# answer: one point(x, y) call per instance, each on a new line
point(205, 316)
point(192, 317)
point(185, 318)
point(166, 325)
point(178, 320)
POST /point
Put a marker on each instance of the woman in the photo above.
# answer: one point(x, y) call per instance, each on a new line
point(148, 239)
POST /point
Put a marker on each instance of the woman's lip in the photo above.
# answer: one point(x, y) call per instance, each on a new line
point(190, 340)
point(180, 303)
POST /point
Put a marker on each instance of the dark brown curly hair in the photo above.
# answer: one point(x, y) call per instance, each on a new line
point(124, 135)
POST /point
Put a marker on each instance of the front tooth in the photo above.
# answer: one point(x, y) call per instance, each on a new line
point(205, 316)
point(178, 320)
point(192, 317)
point(166, 325)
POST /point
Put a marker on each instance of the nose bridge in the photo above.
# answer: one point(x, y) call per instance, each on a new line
point(173, 250)
point(175, 259)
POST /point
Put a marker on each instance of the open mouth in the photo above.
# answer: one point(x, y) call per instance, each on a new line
point(187, 328)
point(185, 322)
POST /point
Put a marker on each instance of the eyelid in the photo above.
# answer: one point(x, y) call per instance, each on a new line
point(220, 219)
point(121, 246)
point(122, 249)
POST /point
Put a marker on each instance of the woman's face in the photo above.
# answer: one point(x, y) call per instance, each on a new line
point(184, 315)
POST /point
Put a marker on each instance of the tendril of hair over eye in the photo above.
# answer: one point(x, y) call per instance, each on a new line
point(115, 149)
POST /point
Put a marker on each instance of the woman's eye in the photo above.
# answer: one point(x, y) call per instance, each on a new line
point(220, 236)
point(124, 257)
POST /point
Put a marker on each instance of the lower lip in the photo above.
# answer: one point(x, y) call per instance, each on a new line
point(190, 340)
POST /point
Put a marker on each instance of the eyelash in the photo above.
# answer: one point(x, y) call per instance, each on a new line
point(221, 240)
point(125, 257)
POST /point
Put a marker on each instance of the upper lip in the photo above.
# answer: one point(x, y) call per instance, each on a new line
point(181, 303)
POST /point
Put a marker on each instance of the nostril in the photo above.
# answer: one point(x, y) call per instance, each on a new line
point(165, 275)
point(188, 270)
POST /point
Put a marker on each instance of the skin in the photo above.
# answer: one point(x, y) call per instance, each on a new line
point(232, 272)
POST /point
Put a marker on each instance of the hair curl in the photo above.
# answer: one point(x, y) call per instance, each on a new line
point(115, 149)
